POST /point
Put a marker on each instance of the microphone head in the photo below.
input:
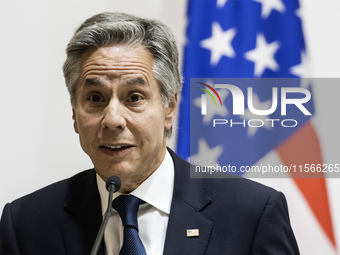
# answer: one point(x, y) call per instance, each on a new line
point(115, 181)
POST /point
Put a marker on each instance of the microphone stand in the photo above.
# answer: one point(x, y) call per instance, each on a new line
point(112, 188)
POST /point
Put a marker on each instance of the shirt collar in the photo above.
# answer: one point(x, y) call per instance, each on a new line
point(157, 190)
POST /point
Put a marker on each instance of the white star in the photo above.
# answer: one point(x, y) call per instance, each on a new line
point(249, 115)
point(221, 3)
point(299, 13)
point(213, 109)
point(301, 70)
point(206, 156)
point(263, 55)
point(219, 43)
point(269, 5)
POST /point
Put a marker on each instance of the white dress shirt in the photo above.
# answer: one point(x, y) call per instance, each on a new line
point(153, 216)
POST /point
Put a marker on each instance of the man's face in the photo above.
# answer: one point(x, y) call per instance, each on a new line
point(118, 113)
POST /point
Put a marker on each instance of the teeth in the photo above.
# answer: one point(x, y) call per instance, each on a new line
point(116, 147)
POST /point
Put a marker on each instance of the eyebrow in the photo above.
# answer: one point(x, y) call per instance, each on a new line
point(92, 82)
point(136, 81)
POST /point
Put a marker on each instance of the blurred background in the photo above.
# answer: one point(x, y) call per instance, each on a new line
point(38, 145)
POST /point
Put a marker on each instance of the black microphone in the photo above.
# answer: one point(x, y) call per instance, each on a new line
point(112, 185)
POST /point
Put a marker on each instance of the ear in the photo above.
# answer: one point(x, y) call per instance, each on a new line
point(74, 117)
point(170, 112)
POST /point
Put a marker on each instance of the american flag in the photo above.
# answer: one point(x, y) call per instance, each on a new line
point(244, 39)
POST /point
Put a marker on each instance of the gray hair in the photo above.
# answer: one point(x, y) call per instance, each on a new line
point(107, 29)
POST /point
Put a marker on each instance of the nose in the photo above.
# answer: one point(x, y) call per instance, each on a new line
point(113, 118)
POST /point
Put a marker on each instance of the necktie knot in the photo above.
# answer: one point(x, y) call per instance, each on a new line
point(127, 208)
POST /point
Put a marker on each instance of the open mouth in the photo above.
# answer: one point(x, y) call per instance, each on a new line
point(116, 147)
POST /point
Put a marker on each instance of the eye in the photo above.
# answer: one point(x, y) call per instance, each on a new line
point(135, 98)
point(95, 98)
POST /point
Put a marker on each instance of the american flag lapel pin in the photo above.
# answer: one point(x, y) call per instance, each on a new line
point(193, 232)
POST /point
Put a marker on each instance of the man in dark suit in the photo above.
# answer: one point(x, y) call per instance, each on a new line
point(123, 78)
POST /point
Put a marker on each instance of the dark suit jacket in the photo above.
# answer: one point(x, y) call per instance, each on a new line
point(234, 216)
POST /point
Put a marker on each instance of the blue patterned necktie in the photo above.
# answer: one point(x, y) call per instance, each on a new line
point(127, 207)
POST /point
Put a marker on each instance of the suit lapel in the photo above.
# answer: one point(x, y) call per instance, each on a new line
point(84, 208)
point(189, 198)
